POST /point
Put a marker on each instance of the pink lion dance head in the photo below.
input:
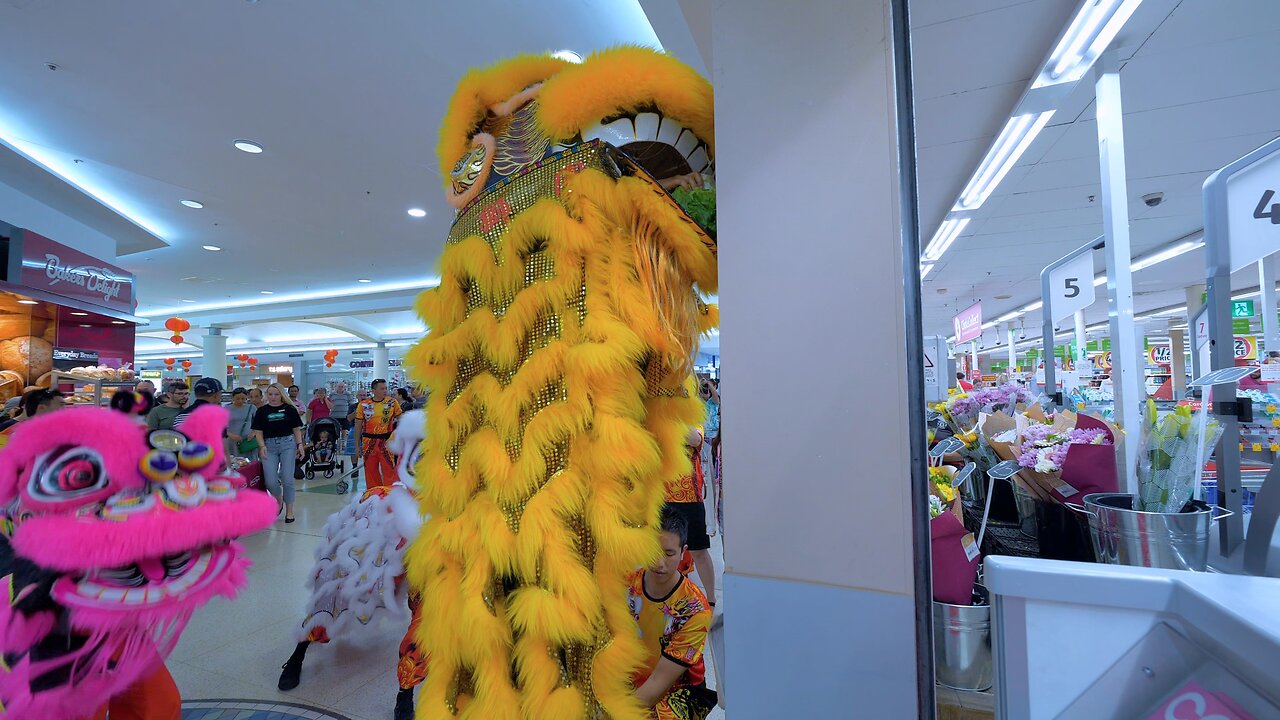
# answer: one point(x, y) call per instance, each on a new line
point(110, 538)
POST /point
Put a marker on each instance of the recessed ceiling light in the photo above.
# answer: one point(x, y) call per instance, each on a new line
point(364, 280)
point(567, 55)
point(1003, 297)
point(80, 314)
point(28, 302)
point(211, 248)
point(193, 204)
point(417, 212)
point(118, 322)
point(268, 292)
point(187, 301)
point(248, 146)
point(86, 325)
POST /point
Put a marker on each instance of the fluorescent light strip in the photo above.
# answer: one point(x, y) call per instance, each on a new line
point(67, 171)
point(1166, 254)
point(1089, 35)
point(924, 269)
point(942, 239)
point(1017, 135)
point(364, 289)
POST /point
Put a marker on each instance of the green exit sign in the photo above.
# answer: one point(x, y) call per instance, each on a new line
point(1241, 308)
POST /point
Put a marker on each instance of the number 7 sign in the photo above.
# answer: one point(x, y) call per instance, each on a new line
point(1071, 287)
point(1202, 327)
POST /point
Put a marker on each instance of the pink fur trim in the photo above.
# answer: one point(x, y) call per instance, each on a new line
point(513, 103)
point(67, 543)
point(102, 430)
point(206, 424)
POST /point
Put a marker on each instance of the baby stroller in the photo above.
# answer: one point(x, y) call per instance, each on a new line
point(322, 448)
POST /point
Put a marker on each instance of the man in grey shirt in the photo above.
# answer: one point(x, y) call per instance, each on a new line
point(342, 406)
point(164, 416)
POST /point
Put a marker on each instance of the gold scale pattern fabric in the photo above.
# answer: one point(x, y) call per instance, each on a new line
point(555, 417)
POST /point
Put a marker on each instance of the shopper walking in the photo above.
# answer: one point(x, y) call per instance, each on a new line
point(240, 424)
point(341, 404)
point(255, 397)
point(163, 417)
point(711, 398)
point(295, 397)
point(278, 429)
point(375, 419)
point(406, 401)
point(319, 407)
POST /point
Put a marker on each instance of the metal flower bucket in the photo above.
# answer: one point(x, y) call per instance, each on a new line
point(1124, 536)
point(962, 645)
point(1026, 503)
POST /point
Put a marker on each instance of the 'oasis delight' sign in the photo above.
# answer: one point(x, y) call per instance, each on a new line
point(42, 264)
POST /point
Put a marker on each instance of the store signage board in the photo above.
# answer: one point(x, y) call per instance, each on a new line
point(968, 323)
point(1071, 287)
point(394, 362)
point(90, 356)
point(1240, 326)
point(1160, 355)
point(1253, 211)
point(43, 264)
point(1246, 347)
point(1202, 327)
point(1242, 308)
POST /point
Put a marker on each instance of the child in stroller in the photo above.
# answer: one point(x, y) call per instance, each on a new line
point(322, 450)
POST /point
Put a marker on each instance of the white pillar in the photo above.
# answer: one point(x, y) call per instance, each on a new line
point(854, 580)
point(973, 359)
point(380, 361)
point(1178, 363)
point(1200, 356)
point(1013, 352)
point(214, 361)
point(1126, 372)
point(1081, 353)
point(1267, 268)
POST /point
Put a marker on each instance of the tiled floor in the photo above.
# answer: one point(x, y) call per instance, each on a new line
point(234, 649)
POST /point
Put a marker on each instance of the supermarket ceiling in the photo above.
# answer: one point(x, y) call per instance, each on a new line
point(143, 108)
point(1199, 90)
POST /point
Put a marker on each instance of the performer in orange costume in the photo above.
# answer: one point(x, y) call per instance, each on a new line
point(375, 419)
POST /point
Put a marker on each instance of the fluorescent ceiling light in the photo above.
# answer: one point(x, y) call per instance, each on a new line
point(1033, 306)
point(1012, 141)
point(267, 292)
point(417, 212)
point(1100, 280)
point(28, 302)
point(1090, 33)
point(924, 269)
point(193, 204)
point(118, 322)
point(329, 294)
point(1166, 254)
point(567, 55)
point(211, 248)
point(1008, 316)
point(77, 176)
point(186, 301)
point(942, 239)
point(364, 280)
point(248, 146)
point(80, 314)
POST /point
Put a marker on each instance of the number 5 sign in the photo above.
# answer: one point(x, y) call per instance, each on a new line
point(1071, 287)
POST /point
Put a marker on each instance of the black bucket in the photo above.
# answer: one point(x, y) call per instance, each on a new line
point(1064, 535)
point(1004, 507)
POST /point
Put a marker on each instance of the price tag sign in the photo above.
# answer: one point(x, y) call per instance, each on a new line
point(1063, 488)
point(1004, 470)
point(1160, 354)
point(949, 445)
point(1071, 287)
point(1202, 327)
point(970, 546)
point(1253, 210)
point(963, 475)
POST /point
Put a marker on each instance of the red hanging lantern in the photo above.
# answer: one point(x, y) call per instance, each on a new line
point(253, 363)
point(186, 366)
point(168, 363)
point(176, 339)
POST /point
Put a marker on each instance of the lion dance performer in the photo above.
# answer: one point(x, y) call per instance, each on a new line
point(110, 538)
point(558, 361)
point(358, 576)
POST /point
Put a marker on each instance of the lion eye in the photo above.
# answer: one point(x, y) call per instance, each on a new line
point(67, 473)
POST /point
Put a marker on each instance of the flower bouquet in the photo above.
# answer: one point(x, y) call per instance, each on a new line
point(1171, 456)
point(1064, 457)
point(954, 555)
point(962, 410)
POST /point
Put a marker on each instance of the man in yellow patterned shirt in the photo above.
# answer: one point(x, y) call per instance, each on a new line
point(674, 618)
point(375, 419)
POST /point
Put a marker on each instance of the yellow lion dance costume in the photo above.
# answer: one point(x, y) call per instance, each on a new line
point(558, 360)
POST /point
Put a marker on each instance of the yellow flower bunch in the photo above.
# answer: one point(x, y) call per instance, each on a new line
point(941, 479)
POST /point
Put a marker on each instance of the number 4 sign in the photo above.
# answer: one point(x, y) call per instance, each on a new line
point(1071, 287)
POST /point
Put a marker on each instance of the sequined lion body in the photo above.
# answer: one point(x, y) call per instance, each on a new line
point(558, 365)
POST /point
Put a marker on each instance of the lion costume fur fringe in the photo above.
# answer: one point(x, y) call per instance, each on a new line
point(558, 368)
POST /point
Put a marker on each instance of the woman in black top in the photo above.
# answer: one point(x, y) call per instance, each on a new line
point(278, 428)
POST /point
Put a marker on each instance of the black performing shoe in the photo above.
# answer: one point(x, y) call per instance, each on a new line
point(291, 671)
point(404, 705)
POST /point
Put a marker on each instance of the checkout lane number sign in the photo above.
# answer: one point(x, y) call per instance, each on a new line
point(1071, 287)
